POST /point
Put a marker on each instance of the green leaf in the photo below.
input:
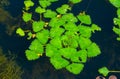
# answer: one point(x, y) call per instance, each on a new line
point(63, 9)
point(84, 19)
point(118, 12)
point(84, 42)
point(58, 62)
point(20, 32)
point(50, 14)
point(85, 31)
point(104, 71)
point(44, 3)
point(116, 30)
point(56, 22)
point(75, 68)
point(51, 50)
point(28, 4)
point(117, 21)
point(43, 36)
point(38, 25)
point(95, 28)
point(67, 52)
point(40, 10)
point(56, 42)
point(118, 38)
point(56, 32)
point(26, 16)
point(53, 0)
point(31, 55)
point(75, 1)
point(36, 46)
point(69, 17)
point(70, 27)
point(29, 35)
point(115, 3)
point(93, 50)
point(80, 56)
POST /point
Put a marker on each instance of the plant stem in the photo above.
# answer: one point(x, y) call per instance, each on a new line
point(114, 71)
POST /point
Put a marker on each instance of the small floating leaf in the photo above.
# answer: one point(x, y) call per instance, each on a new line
point(20, 32)
point(36, 46)
point(116, 3)
point(31, 55)
point(40, 10)
point(75, 1)
point(84, 42)
point(85, 31)
point(50, 14)
point(43, 36)
point(104, 71)
point(44, 3)
point(75, 68)
point(38, 25)
point(58, 62)
point(63, 9)
point(116, 30)
point(27, 16)
point(28, 4)
point(84, 18)
point(93, 50)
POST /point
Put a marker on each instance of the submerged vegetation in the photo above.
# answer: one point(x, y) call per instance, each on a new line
point(9, 68)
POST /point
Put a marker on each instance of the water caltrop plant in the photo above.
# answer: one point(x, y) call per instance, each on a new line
point(59, 34)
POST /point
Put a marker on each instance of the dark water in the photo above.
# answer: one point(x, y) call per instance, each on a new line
point(102, 14)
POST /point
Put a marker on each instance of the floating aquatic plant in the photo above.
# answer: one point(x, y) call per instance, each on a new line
point(62, 36)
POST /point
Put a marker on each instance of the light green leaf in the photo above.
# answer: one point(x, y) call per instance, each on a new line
point(95, 27)
point(31, 55)
point(43, 36)
point(58, 62)
point(29, 35)
point(50, 14)
point(116, 21)
point(51, 50)
point(70, 27)
point(93, 50)
point(56, 42)
point(28, 4)
point(20, 32)
point(63, 9)
point(44, 3)
point(116, 30)
point(84, 19)
point(69, 17)
point(118, 12)
point(85, 31)
point(56, 22)
point(104, 71)
point(40, 10)
point(56, 32)
point(80, 56)
point(67, 52)
point(115, 3)
point(26, 16)
point(84, 42)
point(75, 1)
point(75, 68)
point(38, 25)
point(36, 46)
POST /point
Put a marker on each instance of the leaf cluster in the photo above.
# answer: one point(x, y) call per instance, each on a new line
point(116, 20)
point(62, 36)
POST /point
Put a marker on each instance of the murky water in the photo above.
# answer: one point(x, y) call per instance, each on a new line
point(101, 13)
